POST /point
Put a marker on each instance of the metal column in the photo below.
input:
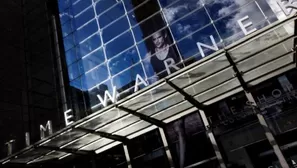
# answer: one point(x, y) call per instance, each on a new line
point(260, 117)
point(267, 130)
point(167, 151)
point(127, 156)
point(212, 139)
point(200, 107)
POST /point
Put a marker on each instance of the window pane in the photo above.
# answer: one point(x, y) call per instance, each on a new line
point(126, 79)
point(89, 45)
point(80, 5)
point(240, 136)
point(84, 17)
point(95, 77)
point(63, 4)
point(111, 15)
point(86, 31)
point(143, 11)
point(145, 153)
point(187, 139)
point(69, 42)
point(148, 27)
point(188, 46)
point(190, 24)
point(67, 28)
point(179, 10)
point(103, 5)
point(115, 29)
point(116, 46)
point(91, 96)
point(92, 60)
point(71, 56)
point(66, 16)
point(73, 71)
point(123, 61)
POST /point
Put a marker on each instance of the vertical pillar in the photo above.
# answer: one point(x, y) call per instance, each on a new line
point(27, 139)
point(127, 156)
point(167, 151)
point(268, 132)
point(10, 147)
point(212, 139)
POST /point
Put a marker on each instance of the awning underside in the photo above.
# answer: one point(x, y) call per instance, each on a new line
point(254, 59)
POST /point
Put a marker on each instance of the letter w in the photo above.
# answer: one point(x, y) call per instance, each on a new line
point(107, 95)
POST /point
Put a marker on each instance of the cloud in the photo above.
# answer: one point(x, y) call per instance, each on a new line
point(239, 9)
point(171, 12)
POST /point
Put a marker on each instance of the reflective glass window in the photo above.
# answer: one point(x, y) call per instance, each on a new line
point(80, 5)
point(66, 15)
point(67, 28)
point(126, 79)
point(89, 45)
point(123, 61)
point(111, 15)
point(99, 89)
point(63, 4)
point(188, 47)
point(71, 56)
point(143, 11)
point(191, 12)
point(92, 60)
point(277, 100)
point(103, 5)
point(69, 42)
point(190, 24)
point(115, 29)
point(131, 4)
point(148, 27)
point(161, 66)
point(87, 30)
point(94, 77)
point(229, 25)
point(143, 152)
point(219, 9)
point(240, 136)
point(112, 158)
point(84, 17)
point(73, 71)
point(116, 46)
point(187, 139)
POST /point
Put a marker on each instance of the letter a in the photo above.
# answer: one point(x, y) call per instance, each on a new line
point(138, 81)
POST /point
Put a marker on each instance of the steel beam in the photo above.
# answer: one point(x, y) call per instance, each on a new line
point(187, 97)
point(66, 150)
point(143, 117)
point(105, 135)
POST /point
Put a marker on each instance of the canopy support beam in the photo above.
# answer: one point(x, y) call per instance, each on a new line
point(143, 117)
point(66, 150)
point(105, 135)
point(187, 97)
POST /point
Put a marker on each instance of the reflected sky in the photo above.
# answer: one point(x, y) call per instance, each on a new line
point(107, 41)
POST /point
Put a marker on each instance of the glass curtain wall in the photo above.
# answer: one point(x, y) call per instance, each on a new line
point(108, 43)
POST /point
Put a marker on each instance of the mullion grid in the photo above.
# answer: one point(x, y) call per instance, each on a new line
point(166, 27)
point(136, 43)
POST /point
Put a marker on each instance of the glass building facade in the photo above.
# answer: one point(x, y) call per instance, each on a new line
point(107, 43)
point(174, 84)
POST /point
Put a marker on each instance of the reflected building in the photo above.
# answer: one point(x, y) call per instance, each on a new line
point(172, 83)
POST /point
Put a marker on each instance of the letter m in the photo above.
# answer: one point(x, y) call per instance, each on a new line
point(48, 127)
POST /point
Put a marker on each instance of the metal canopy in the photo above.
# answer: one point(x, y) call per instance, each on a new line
point(254, 59)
